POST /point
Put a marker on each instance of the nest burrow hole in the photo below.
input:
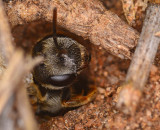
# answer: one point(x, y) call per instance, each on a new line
point(100, 68)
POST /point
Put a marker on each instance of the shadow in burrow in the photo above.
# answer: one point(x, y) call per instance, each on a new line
point(105, 71)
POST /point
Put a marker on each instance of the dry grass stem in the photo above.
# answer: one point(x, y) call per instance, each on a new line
point(142, 60)
point(15, 65)
point(24, 109)
point(5, 35)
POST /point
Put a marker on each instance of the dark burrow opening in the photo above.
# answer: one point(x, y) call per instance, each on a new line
point(26, 37)
point(105, 71)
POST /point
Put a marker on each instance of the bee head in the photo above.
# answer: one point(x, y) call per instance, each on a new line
point(64, 59)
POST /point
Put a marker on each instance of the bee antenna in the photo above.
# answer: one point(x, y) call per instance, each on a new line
point(55, 28)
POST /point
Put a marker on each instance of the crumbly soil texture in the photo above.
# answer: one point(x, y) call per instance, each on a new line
point(109, 73)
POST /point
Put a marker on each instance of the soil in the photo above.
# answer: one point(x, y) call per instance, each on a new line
point(109, 73)
point(102, 112)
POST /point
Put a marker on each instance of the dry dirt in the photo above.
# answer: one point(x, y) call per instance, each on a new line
point(109, 73)
point(102, 113)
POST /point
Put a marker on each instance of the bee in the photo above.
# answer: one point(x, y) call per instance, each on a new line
point(56, 85)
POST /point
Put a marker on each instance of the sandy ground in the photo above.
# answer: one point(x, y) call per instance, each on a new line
point(102, 113)
point(109, 73)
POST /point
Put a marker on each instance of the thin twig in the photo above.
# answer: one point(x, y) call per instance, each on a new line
point(142, 60)
point(5, 36)
point(24, 109)
point(16, 66)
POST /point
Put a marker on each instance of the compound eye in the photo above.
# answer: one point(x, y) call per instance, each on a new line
point(62, 80)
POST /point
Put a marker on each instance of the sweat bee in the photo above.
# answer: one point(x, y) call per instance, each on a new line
point(56, 86)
